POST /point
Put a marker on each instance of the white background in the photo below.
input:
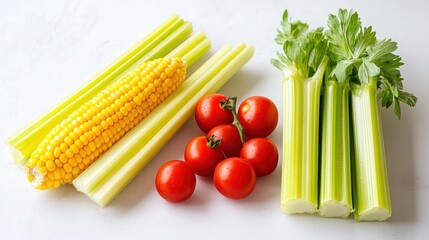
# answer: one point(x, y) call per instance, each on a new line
point(48, 48)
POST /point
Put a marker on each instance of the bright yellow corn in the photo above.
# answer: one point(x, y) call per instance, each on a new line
point(91, 130)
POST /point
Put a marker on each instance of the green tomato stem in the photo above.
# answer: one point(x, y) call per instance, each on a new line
point(212, 143)
point(230, 104)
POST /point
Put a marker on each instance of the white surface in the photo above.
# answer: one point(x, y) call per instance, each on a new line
point(48, 48)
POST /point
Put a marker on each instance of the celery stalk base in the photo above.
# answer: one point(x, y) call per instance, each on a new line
point(334, 208)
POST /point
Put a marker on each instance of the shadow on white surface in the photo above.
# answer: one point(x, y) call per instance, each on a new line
point(399, 146)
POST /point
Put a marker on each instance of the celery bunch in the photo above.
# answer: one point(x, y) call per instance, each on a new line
point(368, 64)
point(350, 70)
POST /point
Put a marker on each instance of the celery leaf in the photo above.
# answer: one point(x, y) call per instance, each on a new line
point(290, 30)
point(361, 57)
point(303, 49)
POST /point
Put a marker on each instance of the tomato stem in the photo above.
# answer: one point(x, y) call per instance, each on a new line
point(212, 143)
point(230, 104)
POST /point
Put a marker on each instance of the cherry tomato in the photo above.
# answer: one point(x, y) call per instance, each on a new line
point(209, 112)
point(230, 139)
point(203, 154)
point(262, 154)
point(258, 115)
point(175, 181)
point(234, 178)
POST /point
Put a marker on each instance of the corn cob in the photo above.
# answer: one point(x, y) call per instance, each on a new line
point(92, 129)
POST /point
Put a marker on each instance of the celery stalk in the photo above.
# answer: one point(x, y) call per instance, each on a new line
point(335, 179)
point(194, 48)
point(371, 188)
point(303, 63)
point(169, 43)
point(187, 45)
point(23, 142)
point(196, 53)
point(170, 117)
point(299, 189)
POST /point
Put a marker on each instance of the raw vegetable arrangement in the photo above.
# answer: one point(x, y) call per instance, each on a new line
point(333, 158)
point(334, 81)
point(224, 153)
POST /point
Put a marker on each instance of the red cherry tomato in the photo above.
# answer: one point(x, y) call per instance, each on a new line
point(209, 112)
point(262, 154)
point(175, 181)
point(234, 178)
point(230, 139)
point(258, 115)
point(203, 154)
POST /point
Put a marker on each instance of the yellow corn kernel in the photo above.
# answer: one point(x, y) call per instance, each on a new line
point(73, 162)
point(43, 170)
point(57, 152)
point(51, 176)
point(86, 160)
point(84, 139)
point(58, 163)
point(68, 140)
point(75, 143)
point(75, 171)
point(67, 167)
point(81, 166)
point(78, 144)
point(68, 176)
point(50, 165)
point(57, 174)
point(78, 158)
point(69, 153)
point(63, 147)
point(49, 154)
point(40, 164)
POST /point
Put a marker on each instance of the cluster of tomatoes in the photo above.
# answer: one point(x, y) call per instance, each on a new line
point(234, 150)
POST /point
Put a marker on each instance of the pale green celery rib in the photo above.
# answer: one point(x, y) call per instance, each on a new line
point(301, 103)
point(173, 40)
point(190, 44)
point(181, 108)
point(335, 196)
point(370, 183)
point(23, 142)
point(196, 53)
point(192, 49)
